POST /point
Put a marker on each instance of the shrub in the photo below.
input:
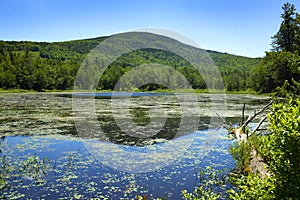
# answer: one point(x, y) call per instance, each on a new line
point(281, 149)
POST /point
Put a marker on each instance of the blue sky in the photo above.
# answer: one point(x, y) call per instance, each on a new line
point(241, 27)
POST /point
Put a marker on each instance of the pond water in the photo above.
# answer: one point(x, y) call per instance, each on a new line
point(121, 160)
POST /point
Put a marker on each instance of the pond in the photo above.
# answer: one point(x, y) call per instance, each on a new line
point(118, 157)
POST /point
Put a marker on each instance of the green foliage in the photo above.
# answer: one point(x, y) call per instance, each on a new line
point(297, 22)
point(274, 70)
point(5, 172)
point(27, 70)
point(33, 169)
point(242, 187)
point(289, 91)
point(281, 149)
point(282, 64)
point(285, 38)
point(241, 153)
point(210, 182)
point(37, 66)
point(252, 187)
point(235, 70)
point(47, 66)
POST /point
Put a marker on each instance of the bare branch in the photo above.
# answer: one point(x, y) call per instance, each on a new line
point(243, 113)
point(259, 124)
point(251, 117)
point(225, 123)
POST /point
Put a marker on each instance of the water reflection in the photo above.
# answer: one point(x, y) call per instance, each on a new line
point(48, 118)
point(142, 120)
point(44, 113)
point(118, 136)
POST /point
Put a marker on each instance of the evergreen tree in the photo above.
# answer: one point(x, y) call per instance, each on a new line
point(282, 64)
point(297, 22)
point(285, 38)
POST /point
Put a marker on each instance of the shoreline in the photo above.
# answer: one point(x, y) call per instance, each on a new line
point(197, 91)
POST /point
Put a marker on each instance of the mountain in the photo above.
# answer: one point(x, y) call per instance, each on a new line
point(54, 65)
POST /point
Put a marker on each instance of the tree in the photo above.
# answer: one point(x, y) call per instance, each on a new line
point(297, 22)
point(282, 64)
point(285, 38)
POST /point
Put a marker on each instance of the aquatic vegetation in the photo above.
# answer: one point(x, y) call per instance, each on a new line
point(37, 126)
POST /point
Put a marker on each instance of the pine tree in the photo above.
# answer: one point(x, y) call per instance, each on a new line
point(297, 22)
point(282, 64)
point(285, 38)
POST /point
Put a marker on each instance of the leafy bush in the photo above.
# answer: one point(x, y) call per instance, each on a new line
point(253, 187)
point(281, 149)
point(241, 154)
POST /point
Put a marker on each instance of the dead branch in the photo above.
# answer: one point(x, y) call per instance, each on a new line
point(243, 113)
point(259, 124)
point(225, 123)
point(257, 164)
point(251, 117)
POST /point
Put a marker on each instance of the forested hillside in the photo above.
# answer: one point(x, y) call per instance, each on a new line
point(42, 65)
point(235, 70)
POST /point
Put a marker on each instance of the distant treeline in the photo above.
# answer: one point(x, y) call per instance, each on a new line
point(41, 65)
point(46, 66)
